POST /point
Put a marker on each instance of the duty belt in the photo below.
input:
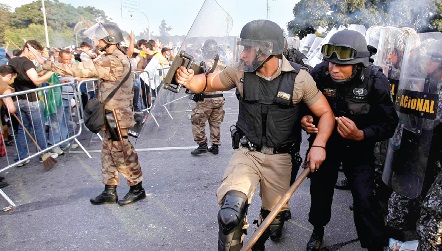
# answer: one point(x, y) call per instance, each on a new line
point(213, 96)
point(264, 149)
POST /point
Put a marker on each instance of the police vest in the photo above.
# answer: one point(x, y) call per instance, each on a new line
point(350, 99)
point(267, 115)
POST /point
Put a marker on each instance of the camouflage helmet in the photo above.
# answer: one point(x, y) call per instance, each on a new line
point(110, 33)
point(115, 36)
point(347, 47)
point(265, 31)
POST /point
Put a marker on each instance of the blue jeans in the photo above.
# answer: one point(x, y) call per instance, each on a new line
point(54, 126)
point(67, 126)
point(31, 114)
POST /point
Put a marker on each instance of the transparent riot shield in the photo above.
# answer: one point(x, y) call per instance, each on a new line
point(316, 56)
point(315, 46)
point(207, 43)
point(390, 53)
point(418, 106)
point(372, 37)
point(207, 39)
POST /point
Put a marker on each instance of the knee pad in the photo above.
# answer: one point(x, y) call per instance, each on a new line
point(233, 211)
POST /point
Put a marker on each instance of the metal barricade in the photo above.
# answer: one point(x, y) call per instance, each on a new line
point(86, 89)
point(43, 121)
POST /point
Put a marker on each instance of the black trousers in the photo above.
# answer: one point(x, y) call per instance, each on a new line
point(358, 163)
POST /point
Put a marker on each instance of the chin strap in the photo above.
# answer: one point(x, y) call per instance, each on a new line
point(356, 70)
point(104, 48)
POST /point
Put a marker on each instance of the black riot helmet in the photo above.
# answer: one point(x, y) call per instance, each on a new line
point(262, 37)
point(265, 31)
point(110, 33)
point(347, 47)
point(210, 49)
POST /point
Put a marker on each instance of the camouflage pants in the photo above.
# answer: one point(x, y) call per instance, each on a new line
point(429, 226)
point(113, 162)
point(402, 212)
point(210, 109)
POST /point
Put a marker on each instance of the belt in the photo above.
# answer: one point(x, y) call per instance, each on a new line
point(273, 150)
point(265, 149)
point(213, 96)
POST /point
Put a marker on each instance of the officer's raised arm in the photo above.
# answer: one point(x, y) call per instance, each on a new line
point(200, 82)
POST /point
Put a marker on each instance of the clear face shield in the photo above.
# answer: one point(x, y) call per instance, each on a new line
point(252, 54)
point(96, 32)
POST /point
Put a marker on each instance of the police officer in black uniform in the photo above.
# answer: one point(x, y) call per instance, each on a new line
point(359, 95)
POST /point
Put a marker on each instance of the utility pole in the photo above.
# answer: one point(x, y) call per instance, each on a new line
point(148, 29)
point(44, 22)
point(268, 8)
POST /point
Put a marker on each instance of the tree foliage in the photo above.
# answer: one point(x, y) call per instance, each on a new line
point(26, 22)
point(310, 15)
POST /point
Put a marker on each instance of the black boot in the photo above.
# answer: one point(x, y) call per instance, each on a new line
point(109, 195)
point(278, 223)
point(202, 148)
point(135, 193)
point(315, 242)
point(214, 149)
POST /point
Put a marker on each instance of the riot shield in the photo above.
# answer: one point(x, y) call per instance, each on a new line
point(418, 106)
point(316, 56)
point(207, 41)
point(390, 53)
point(372, 38)
point(212, 22)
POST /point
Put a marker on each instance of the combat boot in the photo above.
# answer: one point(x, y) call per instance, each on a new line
point(315, 242)
point(135, 193)
point(109, 195)
point(214, 149)
point(202, 148)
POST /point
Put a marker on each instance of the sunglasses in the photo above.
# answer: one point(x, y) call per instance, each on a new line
point(342, 52)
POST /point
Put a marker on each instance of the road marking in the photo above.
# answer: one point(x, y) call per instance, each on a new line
point(146, 149)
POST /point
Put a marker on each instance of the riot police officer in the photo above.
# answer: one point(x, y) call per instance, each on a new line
point(359, 95)
point(209, 105)
point(270, 89)
point(118, 154)
point(414, 153)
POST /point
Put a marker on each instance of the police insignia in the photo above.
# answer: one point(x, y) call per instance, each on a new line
point(360, 92)
point(283, 95)
point(330, 92)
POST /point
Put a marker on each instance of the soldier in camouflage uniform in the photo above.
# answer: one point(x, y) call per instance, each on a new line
point(209, 107)
point(117, 156)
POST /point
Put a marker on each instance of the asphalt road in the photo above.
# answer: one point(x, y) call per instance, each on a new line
point(180, 213)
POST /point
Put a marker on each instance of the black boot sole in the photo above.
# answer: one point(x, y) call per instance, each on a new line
point(100, 203)
point(123, 203)
point(198, 153)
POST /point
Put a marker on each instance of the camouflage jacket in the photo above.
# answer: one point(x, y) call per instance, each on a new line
point(110, 69)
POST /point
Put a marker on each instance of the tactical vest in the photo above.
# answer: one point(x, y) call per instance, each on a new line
point(267, 115)
point(350, 99)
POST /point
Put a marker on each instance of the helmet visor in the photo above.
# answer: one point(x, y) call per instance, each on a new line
point(342, 52)
point(252, 54)
point(96, 32)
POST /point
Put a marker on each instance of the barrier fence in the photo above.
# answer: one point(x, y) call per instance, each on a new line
point(53, 116)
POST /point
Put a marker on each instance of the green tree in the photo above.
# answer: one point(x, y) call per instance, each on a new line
point(309, 16)
point(5, 12)
point(61, 18)
point(420, 15)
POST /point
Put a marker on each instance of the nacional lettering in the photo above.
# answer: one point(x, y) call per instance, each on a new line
point(418, 104)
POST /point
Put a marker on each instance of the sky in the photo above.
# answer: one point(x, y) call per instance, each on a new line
point(180, 14)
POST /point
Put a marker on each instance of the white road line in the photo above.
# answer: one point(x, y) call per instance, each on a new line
point(146, 149)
